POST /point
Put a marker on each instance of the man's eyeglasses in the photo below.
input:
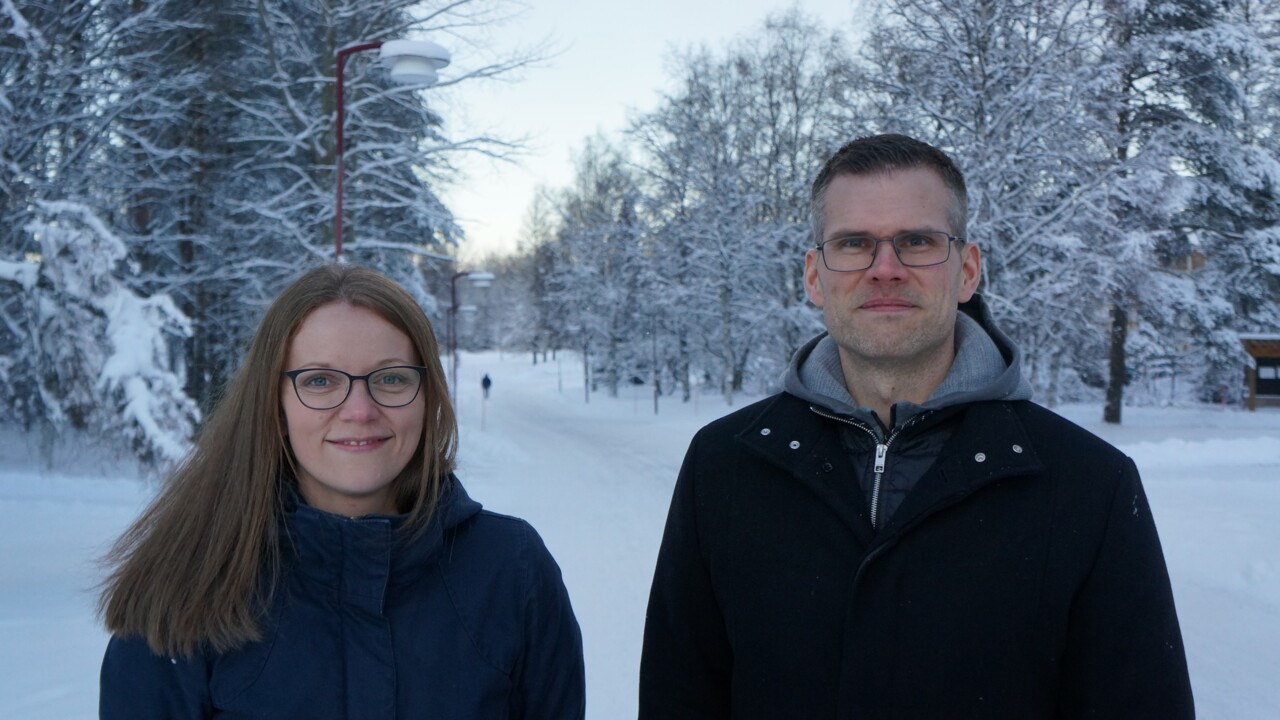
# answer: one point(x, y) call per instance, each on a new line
point(326, 388)
point(919, 248)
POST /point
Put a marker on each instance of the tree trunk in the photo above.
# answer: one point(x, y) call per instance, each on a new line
point(682, 370)
point(586, 373)
point(1055, 371)
point(1119, 369)
point(726, 344)
point(611, 375)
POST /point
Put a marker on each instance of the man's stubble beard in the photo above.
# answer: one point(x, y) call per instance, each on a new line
point(881, 345)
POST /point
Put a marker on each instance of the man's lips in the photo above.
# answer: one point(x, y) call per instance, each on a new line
point(887, 304)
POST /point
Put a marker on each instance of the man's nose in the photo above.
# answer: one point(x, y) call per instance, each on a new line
point(885, 264)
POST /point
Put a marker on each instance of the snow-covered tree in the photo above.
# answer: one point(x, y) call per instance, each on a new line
point(1233, 226)
point(84, 110)
point(201, 138)
point(999, 85)
point(598, 244)
point(726, 161)
point(1102, 149)
point(1168, 108)
point(101, 352)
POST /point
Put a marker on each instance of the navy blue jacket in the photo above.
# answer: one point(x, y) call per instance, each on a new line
point(1021, 577)
point(469, 620)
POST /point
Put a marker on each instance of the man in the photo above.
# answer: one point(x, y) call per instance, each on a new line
point(901, 532)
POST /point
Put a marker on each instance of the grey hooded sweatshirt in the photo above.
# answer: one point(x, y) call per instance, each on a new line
point(890, 460)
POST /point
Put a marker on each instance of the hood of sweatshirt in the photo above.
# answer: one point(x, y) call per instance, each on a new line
point(987, 366)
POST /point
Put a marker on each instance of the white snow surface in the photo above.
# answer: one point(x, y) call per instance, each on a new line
point(595, 479)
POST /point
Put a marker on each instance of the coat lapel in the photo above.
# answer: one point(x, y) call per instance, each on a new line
point(990, 445)
point(806, 446)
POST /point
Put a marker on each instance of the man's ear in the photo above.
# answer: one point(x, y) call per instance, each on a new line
point(970, 270)
point(812, 284)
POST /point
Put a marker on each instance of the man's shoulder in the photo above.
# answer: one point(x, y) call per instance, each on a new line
point(781, 406)
point(1055, 435)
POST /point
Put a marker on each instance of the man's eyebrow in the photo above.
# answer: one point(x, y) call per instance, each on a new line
point(864, 233)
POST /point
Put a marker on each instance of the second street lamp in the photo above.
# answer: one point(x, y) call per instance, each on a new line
point(412, 62)
point(478, 280)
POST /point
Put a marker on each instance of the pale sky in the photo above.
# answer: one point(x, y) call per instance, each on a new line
point(612, 64)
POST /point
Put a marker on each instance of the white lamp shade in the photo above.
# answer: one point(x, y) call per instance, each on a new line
point(414, 62)
point(481, 279)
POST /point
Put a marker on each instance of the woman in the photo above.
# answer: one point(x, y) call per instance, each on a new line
point(315, 557)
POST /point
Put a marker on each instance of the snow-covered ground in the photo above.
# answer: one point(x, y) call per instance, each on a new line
point(595, 480)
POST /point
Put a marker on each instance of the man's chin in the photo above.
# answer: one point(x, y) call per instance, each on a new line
point(874, 347)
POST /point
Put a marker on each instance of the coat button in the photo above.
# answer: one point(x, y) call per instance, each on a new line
point(827, 467)
point(794, 445)
point(1017, 448)
point(765, 431)
point(980, 457)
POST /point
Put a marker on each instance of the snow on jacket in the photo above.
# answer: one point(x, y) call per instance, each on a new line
point(1021, 576)
point(468, 620)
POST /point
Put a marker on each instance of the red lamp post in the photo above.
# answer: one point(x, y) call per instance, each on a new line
point(412, 62)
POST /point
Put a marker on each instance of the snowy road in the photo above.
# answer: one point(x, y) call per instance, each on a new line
point(595, 479)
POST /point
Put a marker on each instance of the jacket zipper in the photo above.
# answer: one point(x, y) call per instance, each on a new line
point(882, 454)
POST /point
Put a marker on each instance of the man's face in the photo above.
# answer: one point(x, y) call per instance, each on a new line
point(890, 315)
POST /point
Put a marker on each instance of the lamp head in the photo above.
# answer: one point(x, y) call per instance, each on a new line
point(480, 279)
point(414, 62)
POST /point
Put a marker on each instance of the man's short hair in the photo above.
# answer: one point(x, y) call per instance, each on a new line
point(882, 153)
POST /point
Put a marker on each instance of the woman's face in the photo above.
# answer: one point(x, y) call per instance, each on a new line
point(349, 456)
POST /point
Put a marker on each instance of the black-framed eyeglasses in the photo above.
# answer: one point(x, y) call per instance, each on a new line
point(917, 248)
point(326, 388)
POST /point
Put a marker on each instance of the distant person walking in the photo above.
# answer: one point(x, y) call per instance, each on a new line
point(486, 383)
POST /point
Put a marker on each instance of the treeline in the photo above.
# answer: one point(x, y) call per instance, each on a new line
point(1122, 160)
point(166, 165)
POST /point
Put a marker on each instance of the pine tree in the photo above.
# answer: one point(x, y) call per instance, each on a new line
point(1169, 115)
point(200, 138)
point(101, 351)
point(82, 93)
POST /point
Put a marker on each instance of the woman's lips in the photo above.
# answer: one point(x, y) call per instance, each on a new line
point(357, 445)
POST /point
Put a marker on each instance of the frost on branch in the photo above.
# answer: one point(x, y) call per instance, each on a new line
point(102, 349)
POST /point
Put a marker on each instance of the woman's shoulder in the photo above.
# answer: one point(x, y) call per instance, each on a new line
point(491, 563)
point(136, 681)
point(503, 584)
point(489, 536)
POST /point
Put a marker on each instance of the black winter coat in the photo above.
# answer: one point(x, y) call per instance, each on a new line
point(1021, 578)
point(468, 620)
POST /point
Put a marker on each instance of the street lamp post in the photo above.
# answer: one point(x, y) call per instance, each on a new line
point(478, 279)
point(412, 62)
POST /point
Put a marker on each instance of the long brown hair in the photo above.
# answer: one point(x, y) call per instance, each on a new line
point(200, 564)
